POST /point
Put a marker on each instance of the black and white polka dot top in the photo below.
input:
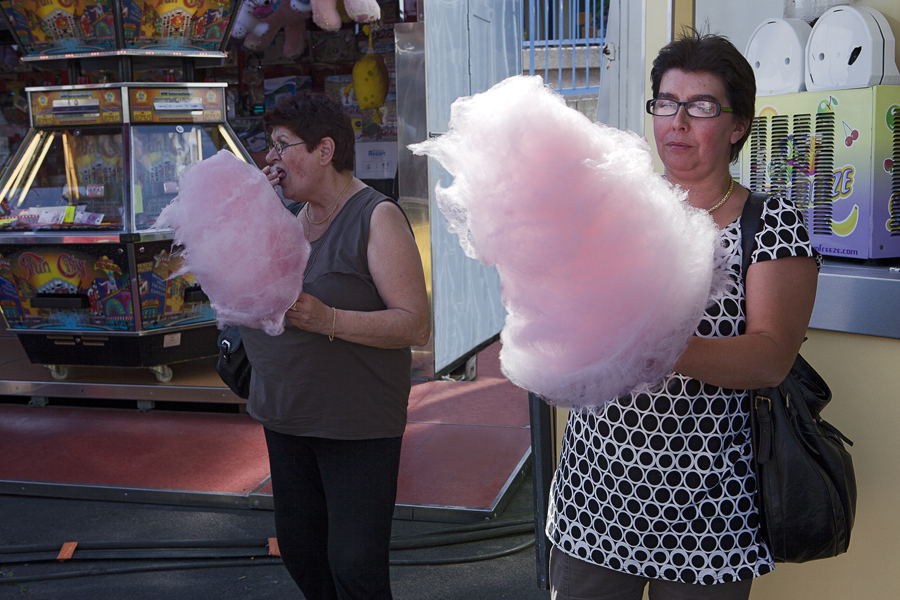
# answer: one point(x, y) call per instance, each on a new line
point(660, 484)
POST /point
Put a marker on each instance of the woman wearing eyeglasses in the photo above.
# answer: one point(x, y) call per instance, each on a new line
point(658, 487)
point(332, 390)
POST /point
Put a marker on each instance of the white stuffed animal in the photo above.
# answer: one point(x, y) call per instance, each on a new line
point(362, 11)
point(286, 16)
point(327, 13)
point(247, 21)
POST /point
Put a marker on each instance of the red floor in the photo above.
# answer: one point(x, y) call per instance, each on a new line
point(464, 445)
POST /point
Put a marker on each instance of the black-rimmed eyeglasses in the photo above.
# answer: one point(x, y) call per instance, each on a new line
point(699, 109)
point(280, 148)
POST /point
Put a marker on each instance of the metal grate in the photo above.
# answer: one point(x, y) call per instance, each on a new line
point(800, 192)
point(565, 39)
point(791, 157)
point(894, 223)
point(781, 154)
point(822, 207)
point(759, 138)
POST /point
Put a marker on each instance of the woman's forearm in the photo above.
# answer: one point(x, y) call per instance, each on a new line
point(744, 362)
point(390, 328)
point(779, 300)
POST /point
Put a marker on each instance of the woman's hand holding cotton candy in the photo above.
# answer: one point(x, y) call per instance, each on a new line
point(310, 314)
point(247, 252)
point(605, 269)
point(272, 175)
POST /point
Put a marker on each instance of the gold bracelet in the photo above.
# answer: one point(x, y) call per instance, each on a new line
point(333, 321)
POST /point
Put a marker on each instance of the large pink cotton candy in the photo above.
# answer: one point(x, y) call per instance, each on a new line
point(605, 269)
point(247, 252)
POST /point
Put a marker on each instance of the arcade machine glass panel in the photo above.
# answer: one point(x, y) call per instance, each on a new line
point(70, 179)
point(161, 155)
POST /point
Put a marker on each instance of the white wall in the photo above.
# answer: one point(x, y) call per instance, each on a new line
point(735, 20)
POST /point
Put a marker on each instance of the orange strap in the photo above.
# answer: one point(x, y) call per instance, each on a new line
point(273, 547)
point(65, 553)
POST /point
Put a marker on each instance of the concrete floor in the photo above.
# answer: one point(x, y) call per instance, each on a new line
point(29, 520)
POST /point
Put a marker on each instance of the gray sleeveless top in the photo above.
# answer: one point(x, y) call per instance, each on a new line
point(303, 384)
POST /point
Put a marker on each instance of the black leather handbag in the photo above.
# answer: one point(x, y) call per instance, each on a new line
point(806, 485)
point(233, 365)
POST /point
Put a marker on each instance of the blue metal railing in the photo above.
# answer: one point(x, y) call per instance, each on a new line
point(571, 34)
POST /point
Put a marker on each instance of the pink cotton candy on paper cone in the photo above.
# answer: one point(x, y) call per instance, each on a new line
point(247, 252)
point(605, 269)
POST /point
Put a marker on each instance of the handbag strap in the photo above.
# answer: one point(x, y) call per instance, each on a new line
point(750, 219)
point(750, 223)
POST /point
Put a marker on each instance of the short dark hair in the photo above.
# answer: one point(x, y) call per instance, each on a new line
point(714, 54)
point(313, 116)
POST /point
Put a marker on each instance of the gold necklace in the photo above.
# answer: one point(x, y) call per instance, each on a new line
point(311, 222)
point(723, 200)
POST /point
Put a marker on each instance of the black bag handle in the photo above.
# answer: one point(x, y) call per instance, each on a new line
point(750, 219)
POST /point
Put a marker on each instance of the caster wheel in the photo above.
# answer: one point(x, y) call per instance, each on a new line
point(58, 372)
point(163, 373)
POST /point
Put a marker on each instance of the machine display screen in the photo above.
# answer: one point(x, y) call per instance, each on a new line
point(68, 179)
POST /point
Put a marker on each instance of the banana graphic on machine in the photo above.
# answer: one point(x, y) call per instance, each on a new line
point(846, 227)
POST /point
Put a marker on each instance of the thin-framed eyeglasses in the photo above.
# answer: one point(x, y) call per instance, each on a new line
point(280, 148)
point(699, 109)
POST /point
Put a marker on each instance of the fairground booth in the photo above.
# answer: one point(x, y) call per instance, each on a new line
point(116, 98)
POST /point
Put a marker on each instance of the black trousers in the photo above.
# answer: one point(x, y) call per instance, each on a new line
point(334, 504)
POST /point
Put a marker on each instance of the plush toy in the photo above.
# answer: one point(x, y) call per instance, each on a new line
point(362, 11)
point(247, 22)
point(257, 22)
point(327, 13)
point(290, 16)
point(371, 80)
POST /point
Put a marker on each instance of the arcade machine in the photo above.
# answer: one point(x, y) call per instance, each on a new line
point(84, 278)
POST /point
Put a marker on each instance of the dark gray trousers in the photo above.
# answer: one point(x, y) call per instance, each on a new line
point(575, 579)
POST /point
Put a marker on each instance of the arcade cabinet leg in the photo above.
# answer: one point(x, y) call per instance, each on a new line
point(542, 470)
